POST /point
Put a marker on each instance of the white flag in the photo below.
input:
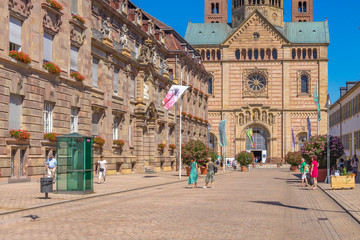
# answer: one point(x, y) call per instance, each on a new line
point(175, 92)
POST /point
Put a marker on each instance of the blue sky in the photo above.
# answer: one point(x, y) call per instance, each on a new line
point(344, 50)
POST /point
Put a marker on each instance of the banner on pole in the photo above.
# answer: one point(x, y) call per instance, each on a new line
point(250, 135)
point(222, 134)
point(174, 94)
point(316, 100)
point(293, 138)
point(309, 128)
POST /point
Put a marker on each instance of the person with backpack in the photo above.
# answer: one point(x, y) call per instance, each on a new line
point(303, 169)
point(210, 174)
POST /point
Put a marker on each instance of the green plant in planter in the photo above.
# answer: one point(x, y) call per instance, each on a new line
point(244, 158)
point(293, 158)
point(196, 150)
point(317, 146)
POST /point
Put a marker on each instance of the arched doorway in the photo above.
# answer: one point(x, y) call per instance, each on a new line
point(260, 144)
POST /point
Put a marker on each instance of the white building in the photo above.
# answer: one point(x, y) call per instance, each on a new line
point(345, 118)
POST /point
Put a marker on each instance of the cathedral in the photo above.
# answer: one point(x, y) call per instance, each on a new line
point(265, 73)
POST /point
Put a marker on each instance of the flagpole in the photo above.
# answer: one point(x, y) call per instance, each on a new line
point(319, 112)
point(180, 138)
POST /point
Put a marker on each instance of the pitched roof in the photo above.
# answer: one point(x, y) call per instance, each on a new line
point(307, 32)
point(207, 33)
point(157, 22)
point(295, 32)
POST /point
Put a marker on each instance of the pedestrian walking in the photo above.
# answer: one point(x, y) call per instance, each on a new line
point(303, 170)
point(354, 165)
point(194, 172)
point(314, 173)
point(234, 165)
point(102, 167)
point(51, 165)
point(210, 174)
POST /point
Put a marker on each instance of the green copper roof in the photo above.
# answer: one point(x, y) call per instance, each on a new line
point(307, 32)
point(207, 33)
point(295, 32)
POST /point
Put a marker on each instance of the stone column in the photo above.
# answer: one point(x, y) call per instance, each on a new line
point(139, 137)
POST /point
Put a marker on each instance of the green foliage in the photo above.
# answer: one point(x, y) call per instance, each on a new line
point(293, 158)
point(196, 150)
point(244, 158)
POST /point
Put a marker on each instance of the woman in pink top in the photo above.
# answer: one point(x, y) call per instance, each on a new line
point(314, 173)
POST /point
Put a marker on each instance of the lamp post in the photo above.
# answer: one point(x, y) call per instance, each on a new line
point(328, 105)
point(209, 129)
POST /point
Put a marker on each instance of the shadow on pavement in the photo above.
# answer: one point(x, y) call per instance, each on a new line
point(279, 204)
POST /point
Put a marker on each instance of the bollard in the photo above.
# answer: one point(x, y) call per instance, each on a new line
point(46, 186)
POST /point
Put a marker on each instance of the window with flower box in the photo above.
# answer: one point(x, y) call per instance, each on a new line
point(15, 108)
point(116, 76)
point(116, 128)
point(74, 120)
point(74, 7)
point(48, 117)
point(15, 28)
point(74, 59)
point(47, 47)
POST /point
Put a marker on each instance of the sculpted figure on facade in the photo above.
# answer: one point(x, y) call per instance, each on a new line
point(146, 91)
point(124, 37)
point(154, 55)
point(241, 119)
point(264, 117)
point(271, 119)
point(248, 117)
point(21, 7)
point(52, 21)
point(165, 66)
point(105, 28)
point(256, 115)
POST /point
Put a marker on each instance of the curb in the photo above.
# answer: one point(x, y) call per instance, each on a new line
point(96, 196)
point(341, 205)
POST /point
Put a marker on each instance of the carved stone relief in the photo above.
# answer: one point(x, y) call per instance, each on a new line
point(124, 36)
point(21, 8)
point(77, 35)
point(105, 28)
point(52, 20)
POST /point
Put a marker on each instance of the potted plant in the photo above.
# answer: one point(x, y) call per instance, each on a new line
point(196, 118)
point(190, 116)
point(52, 67)
point(294, 159)
point(55, 5)
point(99, 141)
point(52, 137)
point(196, 150)
point(244, 158)
point(183, 114)
point(77, 76)
point(161, 146)
point(317, 146)
point(119, 143)
point(19, 134)
point(78, 18)
point(20, 56)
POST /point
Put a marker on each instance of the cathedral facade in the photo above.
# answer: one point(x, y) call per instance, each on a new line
point(264, 73)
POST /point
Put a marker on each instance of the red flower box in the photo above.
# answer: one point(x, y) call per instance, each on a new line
point(19, 134)
point(78, 18)
point(196, 89)
point(120, 143)
point(99, 140)
point(52, 137)
point(161, 146)
point(184, 114)
point(52, 67)
point(20, 56)
point(77, 76)
point(54, 4)
point(190, 116)
point(196, 118)
point(172, 146)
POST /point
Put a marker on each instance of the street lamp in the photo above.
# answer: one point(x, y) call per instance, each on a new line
point(209, 128)
point(328, 105)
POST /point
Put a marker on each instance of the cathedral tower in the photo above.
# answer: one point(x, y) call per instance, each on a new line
point(273, 10)
point(302, 11)
point(216, 11)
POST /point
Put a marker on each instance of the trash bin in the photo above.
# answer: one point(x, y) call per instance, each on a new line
point(46, 185)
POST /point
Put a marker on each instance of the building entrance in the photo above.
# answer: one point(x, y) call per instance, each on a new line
point(257, 156)
point(259, 148)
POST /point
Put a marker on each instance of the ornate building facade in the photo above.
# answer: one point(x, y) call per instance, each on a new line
point(108, 66)
point(264, 73)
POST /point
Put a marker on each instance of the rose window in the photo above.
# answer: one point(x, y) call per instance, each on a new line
point(256, 82)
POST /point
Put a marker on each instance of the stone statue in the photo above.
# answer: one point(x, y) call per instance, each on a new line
point(165, 66)
point(155, 55)
point(146, 91)
point(256, 115)
point(248, 116)
point(105, 29)
point(270, 119)
point(124, 37)
point(241, 120)
point(264, 117)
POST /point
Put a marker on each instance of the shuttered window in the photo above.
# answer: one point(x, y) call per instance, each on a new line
point(15, 34)
point(15, 111)
point(74, 52)
point(74, 120)
point(47, 47)
point(95, 66)
point(48, 117)
point(74, 6)
point(116, 75)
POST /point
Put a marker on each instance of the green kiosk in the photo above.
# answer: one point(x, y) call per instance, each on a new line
point(74, 159)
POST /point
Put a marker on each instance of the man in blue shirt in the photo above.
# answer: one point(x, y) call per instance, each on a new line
point(51, 165)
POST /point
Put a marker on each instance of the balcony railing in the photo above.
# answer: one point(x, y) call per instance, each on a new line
point(118, 46)
point(97, 35)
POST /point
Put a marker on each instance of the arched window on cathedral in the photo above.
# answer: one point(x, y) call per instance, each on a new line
point(212, 7)
point(262, 54)
point(256, 54)
point(249, 2)
point(268, 54)
point(218, 53)
point(304, 83)
point(304, 53)
point(210, 86)
point(258, 1)
point(202, 54)
point(208, 55)
point(293, 54)
point(309, 53)
point(213, 55)
point(243, 54)
point(273, 2)
point(300, 20)
point(250, 53)
point(304, 7)
point(237, 54)
point(254, 2)
point(315, 53)
point(300, 7)
point(304, 21)
point(299, 53)
point(275, 56)
point(217, 8)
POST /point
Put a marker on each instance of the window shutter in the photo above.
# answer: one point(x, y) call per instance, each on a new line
point(116, 74)
point(94, 124)
point(94, 76)
point(15, 31)
point(132, 87)
point(15, 112)
point(74, 52)
point(48, 40)
point(74, 6)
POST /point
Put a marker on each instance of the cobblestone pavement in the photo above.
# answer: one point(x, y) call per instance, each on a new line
point(261, 204)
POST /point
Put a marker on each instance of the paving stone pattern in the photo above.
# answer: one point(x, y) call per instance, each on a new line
point(261, 204)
